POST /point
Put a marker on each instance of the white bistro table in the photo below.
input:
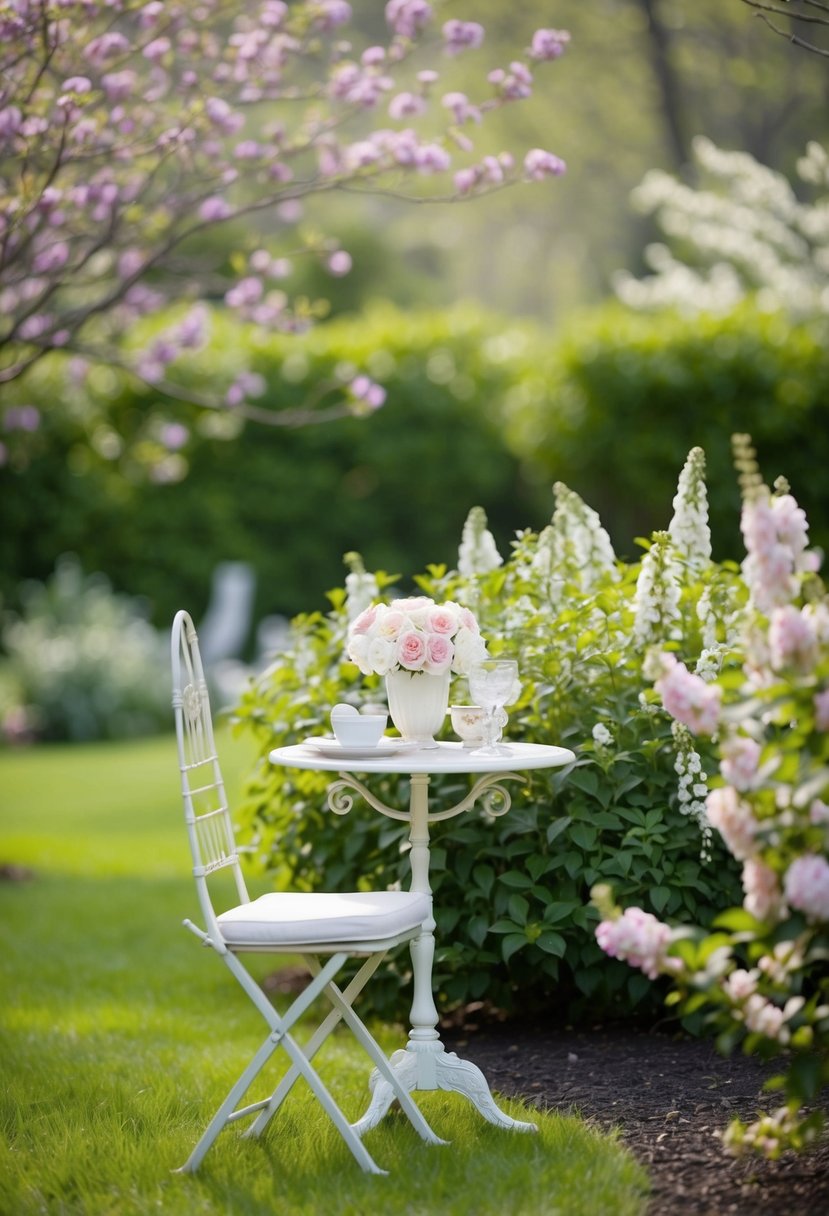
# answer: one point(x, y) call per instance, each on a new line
point(425, 1064)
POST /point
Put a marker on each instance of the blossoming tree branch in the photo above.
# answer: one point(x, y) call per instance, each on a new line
point(132, 131)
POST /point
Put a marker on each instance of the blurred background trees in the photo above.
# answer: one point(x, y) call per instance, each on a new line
point(494, 328)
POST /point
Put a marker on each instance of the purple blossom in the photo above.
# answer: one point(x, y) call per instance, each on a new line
point(548, 44)
point(539, 164)
point(339, 263)
point(462, 36)
point(331, 13)
point(406, 105)
point(214, 208)
point(106, 46)
point(51, 258)
point(246, 292)
point(22, 418)
point(461, 107)
point(514, 85)
point(174, 435)
point(157, 49)
point(368, 392)
point(119, 86)
point(10, 122)
point(406, 17)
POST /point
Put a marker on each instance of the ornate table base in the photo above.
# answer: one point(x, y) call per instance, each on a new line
point(428, 1066)
point(425, 1064)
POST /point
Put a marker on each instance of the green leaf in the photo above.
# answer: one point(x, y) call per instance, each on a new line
point(659, 897)
point(583, 835)
point(551, 943)
point(557, 827)
point(511, 944)
point(514, 878)
point(518, 908)
point(504, 926)
point(484, 877)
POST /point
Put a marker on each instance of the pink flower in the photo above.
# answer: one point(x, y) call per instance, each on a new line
point(733, 820)
point(365, 621)
point(818, 812)
point(638, 938)
point(439, 654)
point(392, 624)
point(461, 107)
point(764, 1018)
point(687, 697)
point(740, 757)
point(406, 17)
point(762, 893)
point(214, 208)
point(548, 44)
point(740, 984)
point(806, 887)
point(411, 650)
point(539, 164)
point(442, 620)
point(339, 263)
point(406, 105)
point(792, 640)
point(462, 35)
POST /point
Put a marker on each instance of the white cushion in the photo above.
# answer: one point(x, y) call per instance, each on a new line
point(294, 918)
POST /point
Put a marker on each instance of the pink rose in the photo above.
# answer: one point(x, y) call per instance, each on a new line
point(365, 620)
point(733, 820)
point(411, 650)
point(442, 620)
point(467, 620)
point(439, 654)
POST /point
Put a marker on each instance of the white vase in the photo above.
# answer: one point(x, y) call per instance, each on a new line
point(417, 704)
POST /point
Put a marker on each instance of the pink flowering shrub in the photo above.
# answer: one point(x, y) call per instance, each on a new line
point(130, 131)
point(760, 978)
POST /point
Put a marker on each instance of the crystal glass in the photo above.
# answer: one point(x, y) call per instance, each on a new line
point(492, 683)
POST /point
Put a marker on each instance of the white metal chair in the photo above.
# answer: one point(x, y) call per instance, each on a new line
point(324, 929)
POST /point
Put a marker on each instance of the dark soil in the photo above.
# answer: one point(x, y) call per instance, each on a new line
point(671, 1097)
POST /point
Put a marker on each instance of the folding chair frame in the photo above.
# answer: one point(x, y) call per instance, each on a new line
point(213, 846)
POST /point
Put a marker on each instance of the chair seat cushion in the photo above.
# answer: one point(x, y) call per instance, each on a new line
point(305, 918)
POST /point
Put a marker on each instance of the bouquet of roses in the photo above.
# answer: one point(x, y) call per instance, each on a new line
point(415, 634)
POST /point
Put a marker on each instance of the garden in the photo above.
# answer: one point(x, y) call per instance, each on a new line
point(226, 346)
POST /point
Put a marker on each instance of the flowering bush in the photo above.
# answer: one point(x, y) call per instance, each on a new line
point(131, 132)
point(760, 978)
point(514, 924)
point(415, 634)
point(81, 663)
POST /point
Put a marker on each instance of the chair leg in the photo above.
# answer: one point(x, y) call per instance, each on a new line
point(221, 1117)
point(376, 1053)
point(313, 1045)
point(301, 1065)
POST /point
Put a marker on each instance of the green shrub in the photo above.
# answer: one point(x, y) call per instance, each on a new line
point(628, 395)
point(510, 893)
point(82, 663)
point(290, 501)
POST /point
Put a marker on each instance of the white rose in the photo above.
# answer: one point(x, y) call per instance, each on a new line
point(382, 655)
point(469, 648)
point(358, 647)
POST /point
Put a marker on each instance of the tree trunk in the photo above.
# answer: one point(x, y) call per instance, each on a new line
point(667, 79)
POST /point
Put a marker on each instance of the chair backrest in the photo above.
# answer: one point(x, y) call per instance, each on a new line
point(206, 813)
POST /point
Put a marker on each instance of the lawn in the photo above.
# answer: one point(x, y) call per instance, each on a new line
point(120, 1036)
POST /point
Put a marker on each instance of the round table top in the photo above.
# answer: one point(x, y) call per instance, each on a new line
point(445, 758)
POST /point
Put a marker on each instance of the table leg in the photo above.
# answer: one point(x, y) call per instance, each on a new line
point(425, 1064)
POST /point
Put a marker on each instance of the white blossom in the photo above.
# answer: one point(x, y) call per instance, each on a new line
point(478, 553)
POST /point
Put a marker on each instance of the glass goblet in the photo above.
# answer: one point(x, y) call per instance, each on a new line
point(491, 685)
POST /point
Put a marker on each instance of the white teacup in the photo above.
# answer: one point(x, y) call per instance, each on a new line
point(353, 729)
point(468, 722)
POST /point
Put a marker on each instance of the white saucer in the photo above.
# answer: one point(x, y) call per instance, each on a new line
point(337, 751)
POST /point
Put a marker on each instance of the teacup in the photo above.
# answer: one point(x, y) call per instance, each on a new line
point(353, 729)
point(468, 722)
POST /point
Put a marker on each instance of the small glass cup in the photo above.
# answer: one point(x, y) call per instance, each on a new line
point(491, 684)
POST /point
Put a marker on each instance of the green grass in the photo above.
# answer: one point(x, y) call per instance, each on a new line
point(120, 1036)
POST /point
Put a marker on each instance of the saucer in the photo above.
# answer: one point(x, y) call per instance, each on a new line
point(337, 751)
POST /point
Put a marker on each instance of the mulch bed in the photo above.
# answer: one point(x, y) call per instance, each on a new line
point(669, 1095)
